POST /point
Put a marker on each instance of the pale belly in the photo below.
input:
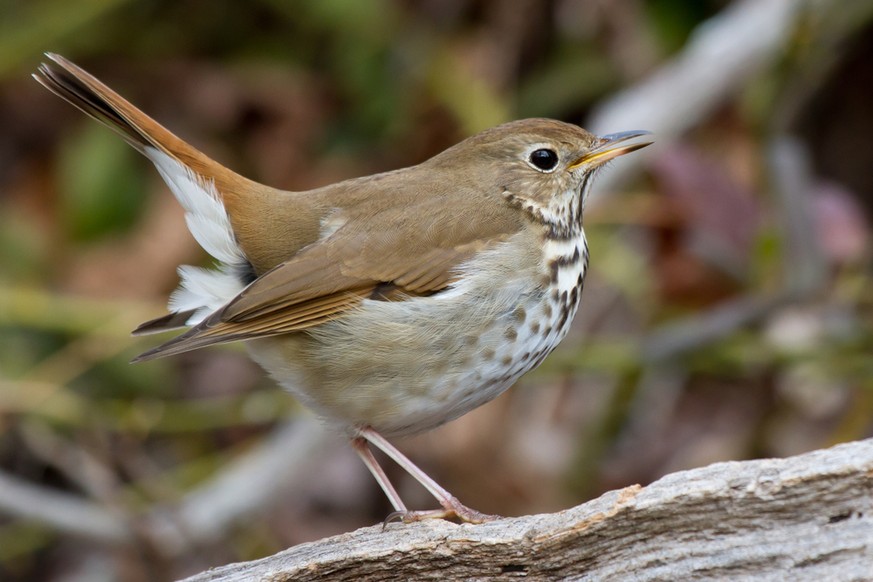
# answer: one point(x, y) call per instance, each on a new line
point(409, 366)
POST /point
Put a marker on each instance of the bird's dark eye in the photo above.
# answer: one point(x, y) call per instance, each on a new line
point(544, 159)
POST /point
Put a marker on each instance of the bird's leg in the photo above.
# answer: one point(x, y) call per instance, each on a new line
point(451, 507)
point(363, 449)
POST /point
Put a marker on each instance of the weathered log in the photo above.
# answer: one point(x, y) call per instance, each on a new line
point(808, 517)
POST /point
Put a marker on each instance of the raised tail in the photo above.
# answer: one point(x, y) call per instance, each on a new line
point(80, 88)
point(211, 194)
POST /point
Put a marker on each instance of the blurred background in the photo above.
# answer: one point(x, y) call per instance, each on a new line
point(727, 315)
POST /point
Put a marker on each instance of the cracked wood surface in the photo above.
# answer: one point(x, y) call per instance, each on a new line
point(808, 517)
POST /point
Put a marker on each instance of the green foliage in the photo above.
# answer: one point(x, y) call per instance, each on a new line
point(101, 185)
point(674, 20)
point(29, 27)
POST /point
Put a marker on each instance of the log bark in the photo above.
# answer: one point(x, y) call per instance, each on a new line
point(808, 517)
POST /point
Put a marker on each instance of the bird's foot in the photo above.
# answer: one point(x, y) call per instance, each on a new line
point(452, 510)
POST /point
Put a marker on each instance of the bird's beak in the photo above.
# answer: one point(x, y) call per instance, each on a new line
point(614, 145)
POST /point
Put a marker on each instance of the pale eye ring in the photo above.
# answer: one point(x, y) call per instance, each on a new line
point(543, 159)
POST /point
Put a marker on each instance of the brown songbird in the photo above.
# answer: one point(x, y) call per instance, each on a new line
point(388, 304)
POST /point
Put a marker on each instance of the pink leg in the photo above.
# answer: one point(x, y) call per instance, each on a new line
point(363, 450)
point(451, 506)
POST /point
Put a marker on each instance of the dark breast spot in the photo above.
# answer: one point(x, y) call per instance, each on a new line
point(539, 357)
point(565, 314)
point(471, 340)
point(556, 264)
point(554, 270)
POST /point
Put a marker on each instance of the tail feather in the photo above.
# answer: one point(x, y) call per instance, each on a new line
point(205, 189)
point(79, 87)
point(175, 320)
point(71, 88)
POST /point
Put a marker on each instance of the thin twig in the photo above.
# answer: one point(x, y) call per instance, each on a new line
point(721, 56)
point(248, 484)
point(65, 512)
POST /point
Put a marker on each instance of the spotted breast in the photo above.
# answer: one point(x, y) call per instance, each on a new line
point(510, 307)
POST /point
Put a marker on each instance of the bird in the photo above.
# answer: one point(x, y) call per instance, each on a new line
point(388, 304)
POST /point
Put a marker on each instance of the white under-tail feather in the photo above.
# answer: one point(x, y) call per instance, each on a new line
point(203, 290)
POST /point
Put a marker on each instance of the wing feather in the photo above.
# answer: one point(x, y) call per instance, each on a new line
point(280, 302)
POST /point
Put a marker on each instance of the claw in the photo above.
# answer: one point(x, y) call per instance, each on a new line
point(395, 516)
